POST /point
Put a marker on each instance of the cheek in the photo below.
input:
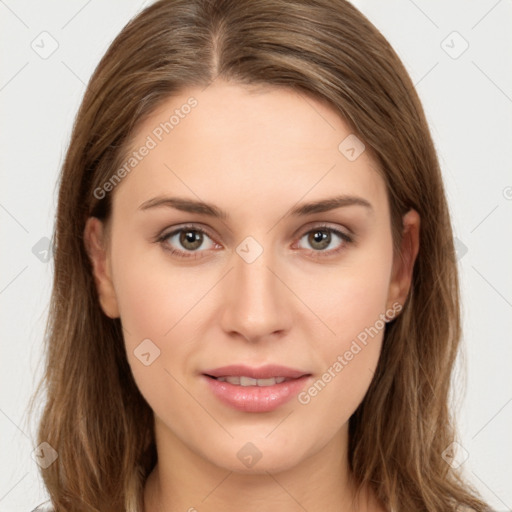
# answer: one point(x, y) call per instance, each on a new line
point(153, 297)
point(154, 306)
point(156, 330)
point(146, 311)
point(350, 297)
point(352, 303)
point(348, 359)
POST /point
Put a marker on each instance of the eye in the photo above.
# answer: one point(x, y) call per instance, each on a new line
point(322, 237)
point(186, 241)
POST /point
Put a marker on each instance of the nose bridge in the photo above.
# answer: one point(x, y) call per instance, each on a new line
point(255, 298)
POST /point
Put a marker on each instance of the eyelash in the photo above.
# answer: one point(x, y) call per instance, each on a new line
point(162, 239)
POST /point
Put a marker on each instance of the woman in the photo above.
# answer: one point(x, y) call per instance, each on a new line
point(255, 302)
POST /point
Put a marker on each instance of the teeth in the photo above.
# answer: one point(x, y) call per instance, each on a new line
point(248, 381)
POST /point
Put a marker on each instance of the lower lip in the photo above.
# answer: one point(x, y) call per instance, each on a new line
point(256, 398)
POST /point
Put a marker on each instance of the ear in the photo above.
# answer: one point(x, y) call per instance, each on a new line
point(95, 244)
point(403, 262)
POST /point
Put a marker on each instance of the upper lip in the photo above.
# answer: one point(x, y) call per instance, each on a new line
point(263, 372)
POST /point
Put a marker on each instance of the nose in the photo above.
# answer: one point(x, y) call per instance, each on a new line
point(256, 302)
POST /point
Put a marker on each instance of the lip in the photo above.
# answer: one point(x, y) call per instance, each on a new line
point(263, 372)
point(256, 398)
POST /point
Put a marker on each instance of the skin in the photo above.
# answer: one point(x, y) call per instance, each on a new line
point(256, 154)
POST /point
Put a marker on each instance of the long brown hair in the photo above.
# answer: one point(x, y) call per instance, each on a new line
point(94, 415)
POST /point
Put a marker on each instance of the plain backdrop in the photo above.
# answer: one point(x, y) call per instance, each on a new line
point(459, 55)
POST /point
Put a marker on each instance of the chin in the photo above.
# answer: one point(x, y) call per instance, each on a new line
point(259, 456)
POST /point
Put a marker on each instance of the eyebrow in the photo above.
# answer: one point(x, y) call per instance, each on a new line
point(200, 207)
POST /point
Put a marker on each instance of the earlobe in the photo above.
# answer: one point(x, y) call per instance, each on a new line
point(96, 247)
point(403, 263)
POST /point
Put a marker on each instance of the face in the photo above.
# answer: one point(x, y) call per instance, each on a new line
point(269, 281)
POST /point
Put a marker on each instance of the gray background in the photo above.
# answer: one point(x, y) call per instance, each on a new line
point(467, 96)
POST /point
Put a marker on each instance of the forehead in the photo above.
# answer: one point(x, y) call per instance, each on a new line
point(266, 142)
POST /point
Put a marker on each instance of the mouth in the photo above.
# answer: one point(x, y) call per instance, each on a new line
point(255, 389)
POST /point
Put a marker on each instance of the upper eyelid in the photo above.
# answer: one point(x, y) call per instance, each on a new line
point(191, 227)
point(325, 225)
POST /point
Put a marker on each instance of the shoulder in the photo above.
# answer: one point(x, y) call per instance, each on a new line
point(44, 507)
